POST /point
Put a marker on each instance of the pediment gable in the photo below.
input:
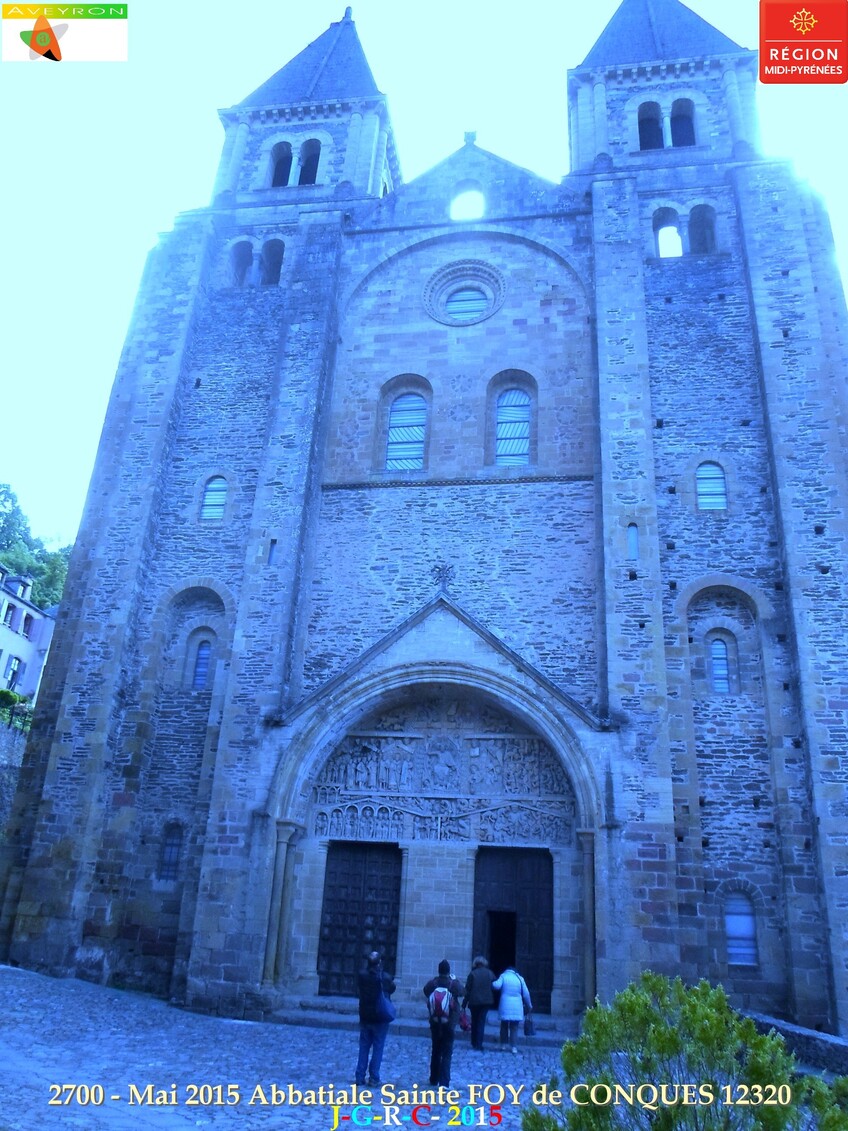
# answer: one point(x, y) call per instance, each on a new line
point(443, 635)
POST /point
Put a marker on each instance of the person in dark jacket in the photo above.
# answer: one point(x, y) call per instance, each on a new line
point(442, 1028)
point(480, 996)
point(373, 982)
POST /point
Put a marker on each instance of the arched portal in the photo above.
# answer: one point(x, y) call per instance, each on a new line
point(448, 828)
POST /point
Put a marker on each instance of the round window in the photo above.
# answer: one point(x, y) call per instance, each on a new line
point(464, 293)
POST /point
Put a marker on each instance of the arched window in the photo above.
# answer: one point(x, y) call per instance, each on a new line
point(650, 126)
point(271, 262)
point(202, 660)
point(406, 433)
point(740, 926)
point(633, 542)
point(667, 234)
point(241, 259)
point(214, 499)
point(512, 428)
point(719, 665)
point(169, 858)
point(711, 487)
point(702, 239)
point(310, 152)
point(682, 122)
point(281, 156)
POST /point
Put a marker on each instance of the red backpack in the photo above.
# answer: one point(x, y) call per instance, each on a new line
point(440, 1003)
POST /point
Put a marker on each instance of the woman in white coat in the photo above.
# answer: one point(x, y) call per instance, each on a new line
point(514, 1001)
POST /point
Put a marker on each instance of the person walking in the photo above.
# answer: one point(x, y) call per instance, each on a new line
point(514, 1001)
point(375, 987)
point(443, 994)
point(479, 997)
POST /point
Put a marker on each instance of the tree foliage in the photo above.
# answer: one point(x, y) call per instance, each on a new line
point(659, 1033)
point(22, 553)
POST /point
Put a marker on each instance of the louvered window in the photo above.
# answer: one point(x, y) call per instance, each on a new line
point(740, 926)
point(711, 487)
point(407, 428)
point(466, 304)
point(719, 666)
point(512, 428)
point(214, 499)
point(202, 657)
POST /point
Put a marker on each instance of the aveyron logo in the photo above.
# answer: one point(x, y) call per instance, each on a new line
point(43, 40)
point(94, 33)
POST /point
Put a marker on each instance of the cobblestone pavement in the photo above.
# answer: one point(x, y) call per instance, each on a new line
point(65, 1032)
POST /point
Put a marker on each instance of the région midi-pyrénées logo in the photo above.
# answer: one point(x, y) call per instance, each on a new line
point(802, 43)
point(93, 33)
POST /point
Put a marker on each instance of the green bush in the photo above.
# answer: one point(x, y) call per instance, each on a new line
point(660, 1033)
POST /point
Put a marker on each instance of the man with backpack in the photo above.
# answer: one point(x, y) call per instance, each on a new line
point(443, 995)
point(375, 1014)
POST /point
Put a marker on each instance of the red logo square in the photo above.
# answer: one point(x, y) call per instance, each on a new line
point(804, 42)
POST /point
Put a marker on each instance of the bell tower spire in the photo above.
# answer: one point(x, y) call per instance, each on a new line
point(661, 84)
point(318, 122)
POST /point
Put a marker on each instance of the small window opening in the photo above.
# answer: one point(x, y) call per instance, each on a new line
point(310, 152)
point(169, 860)
point(740, 926)
point(466, 304)
point(271, 262)
point(702, 238)
point(468, 205)
point(28, 626)
point(711, 487)
point(214, 499)
point(682, 122)
point(282, 157)
point(719, 666)
point(407, 427)
point(666, 225)
point(241, 258)
point(650, 126)
point(202, 659)
point(512, 428)
point(633, 542)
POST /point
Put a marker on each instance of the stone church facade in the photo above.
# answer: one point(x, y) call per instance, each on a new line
point(459, 586)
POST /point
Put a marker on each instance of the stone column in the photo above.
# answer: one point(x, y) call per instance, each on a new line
point(583, 132)
point(734, 106)
point(587, 847)
point(239, 149)
point(599, 108)
point(353, 135)
point(666, 129)
point(376, 185)
point(273, 948)
point(400, 965)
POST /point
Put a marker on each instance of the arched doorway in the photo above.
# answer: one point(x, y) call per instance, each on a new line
point(440, 812)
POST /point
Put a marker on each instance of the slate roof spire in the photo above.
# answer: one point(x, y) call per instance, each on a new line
point(333, 66)
point(647, 31)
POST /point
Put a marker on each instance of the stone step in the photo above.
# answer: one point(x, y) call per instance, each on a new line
point(343, 1013)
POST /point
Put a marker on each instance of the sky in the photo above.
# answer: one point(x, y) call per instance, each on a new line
point(98, 159)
